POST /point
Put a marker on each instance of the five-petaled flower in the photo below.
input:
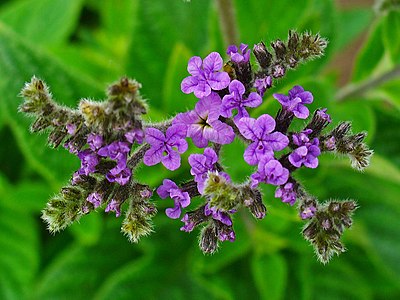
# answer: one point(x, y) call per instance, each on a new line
point(295, 101)
point(235, 100)
point(165, 148)
point(203, 124)
point(181, 199)
point(265, 141)
point(205, 76)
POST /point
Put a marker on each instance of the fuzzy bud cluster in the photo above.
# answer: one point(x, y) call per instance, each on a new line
point(111, 140)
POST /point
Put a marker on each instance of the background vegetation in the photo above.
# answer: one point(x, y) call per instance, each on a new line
point(80, 46)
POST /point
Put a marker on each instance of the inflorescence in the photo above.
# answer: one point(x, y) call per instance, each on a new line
point(111, 140)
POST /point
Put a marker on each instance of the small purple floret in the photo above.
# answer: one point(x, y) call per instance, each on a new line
point(262, 84)
point(235, 100)
point(286, 193)
point(239, 57)
point(308, 212)
point(205, 76)
point(218, 215)
point(181, 199)
point(265, 141)
point(89, 161)
point(119, 175)
point(95, 141)
point(295, 101)
point(166, 148)
point(71, 128)
point(307, 153)
point(269, 171)
point(135, 135)
point(95, 198)
point(115, 206)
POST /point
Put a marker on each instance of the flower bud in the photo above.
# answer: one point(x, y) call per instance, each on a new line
point(262, 55)
point(209, 239)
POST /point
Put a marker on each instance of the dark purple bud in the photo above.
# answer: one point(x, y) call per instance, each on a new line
point(209, 239)
point(280, 49)
point(278, 71)
point(262, 55)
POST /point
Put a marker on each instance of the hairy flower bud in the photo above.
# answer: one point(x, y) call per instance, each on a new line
point(209, 239)
point(262, 55)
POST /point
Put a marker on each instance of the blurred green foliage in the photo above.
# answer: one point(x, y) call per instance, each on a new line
point(80, 46)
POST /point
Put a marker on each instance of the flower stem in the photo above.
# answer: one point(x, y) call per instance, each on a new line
point(361, 88)
point(227, 21)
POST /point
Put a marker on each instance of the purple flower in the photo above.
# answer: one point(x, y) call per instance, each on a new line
point(306, 155)
point(218, 215)
point(295, 101)
point(95, 141)
point(262, 84)
point(189, 223)
point(226, 233)
point(95, 198)
point(265, 142)
point(71, 128)
point(234, 100)
point(308, 212)
point(321, 113)
point(166, 148)
point(203, 125)
point(201, 165)
point(119, 174)
point(205, 76)
point(237, 57)
point(286, 193)
point(301, 138)
point(114, 205)
point(181, 199)
point(269, 171)
point(135, 135)
point(89, 161)
point(116, 150)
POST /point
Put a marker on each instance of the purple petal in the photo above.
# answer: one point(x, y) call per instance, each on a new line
point(221, 133)
point(277, 141)
point(202, 90)
point(194, 66)
point(163, 190)
point(301, 112)
point(264, 125)
point(186, 119)
point(246, 128)
point(153, 156)
point(189, 84)
point(297, 89)
point(283, 99)
point(250, 155)
point(196, 133)
point(173, 213)
point(209, 107)
point(218, 81)
point(171, 161)
point(213, 62)
point(306, 97)
point(154, 136)
point(236, 88)
point(253, 100)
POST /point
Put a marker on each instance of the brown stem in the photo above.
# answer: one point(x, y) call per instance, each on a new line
point(227, 21)
point(361, 88)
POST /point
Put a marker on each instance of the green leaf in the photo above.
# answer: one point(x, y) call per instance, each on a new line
point(270, 275)
point(339, 280)
point(45, 22)
point(371, 53)
point(19, 248)
point(78, 266)
point(391, 33)
point(351, 23)
point(19, 61)
point(155, 37)
point(88, 229)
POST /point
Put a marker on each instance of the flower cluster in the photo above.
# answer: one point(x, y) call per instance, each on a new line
point(111, 139)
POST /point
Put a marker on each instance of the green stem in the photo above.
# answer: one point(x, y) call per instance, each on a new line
point(227, 21)
point(358, 89)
